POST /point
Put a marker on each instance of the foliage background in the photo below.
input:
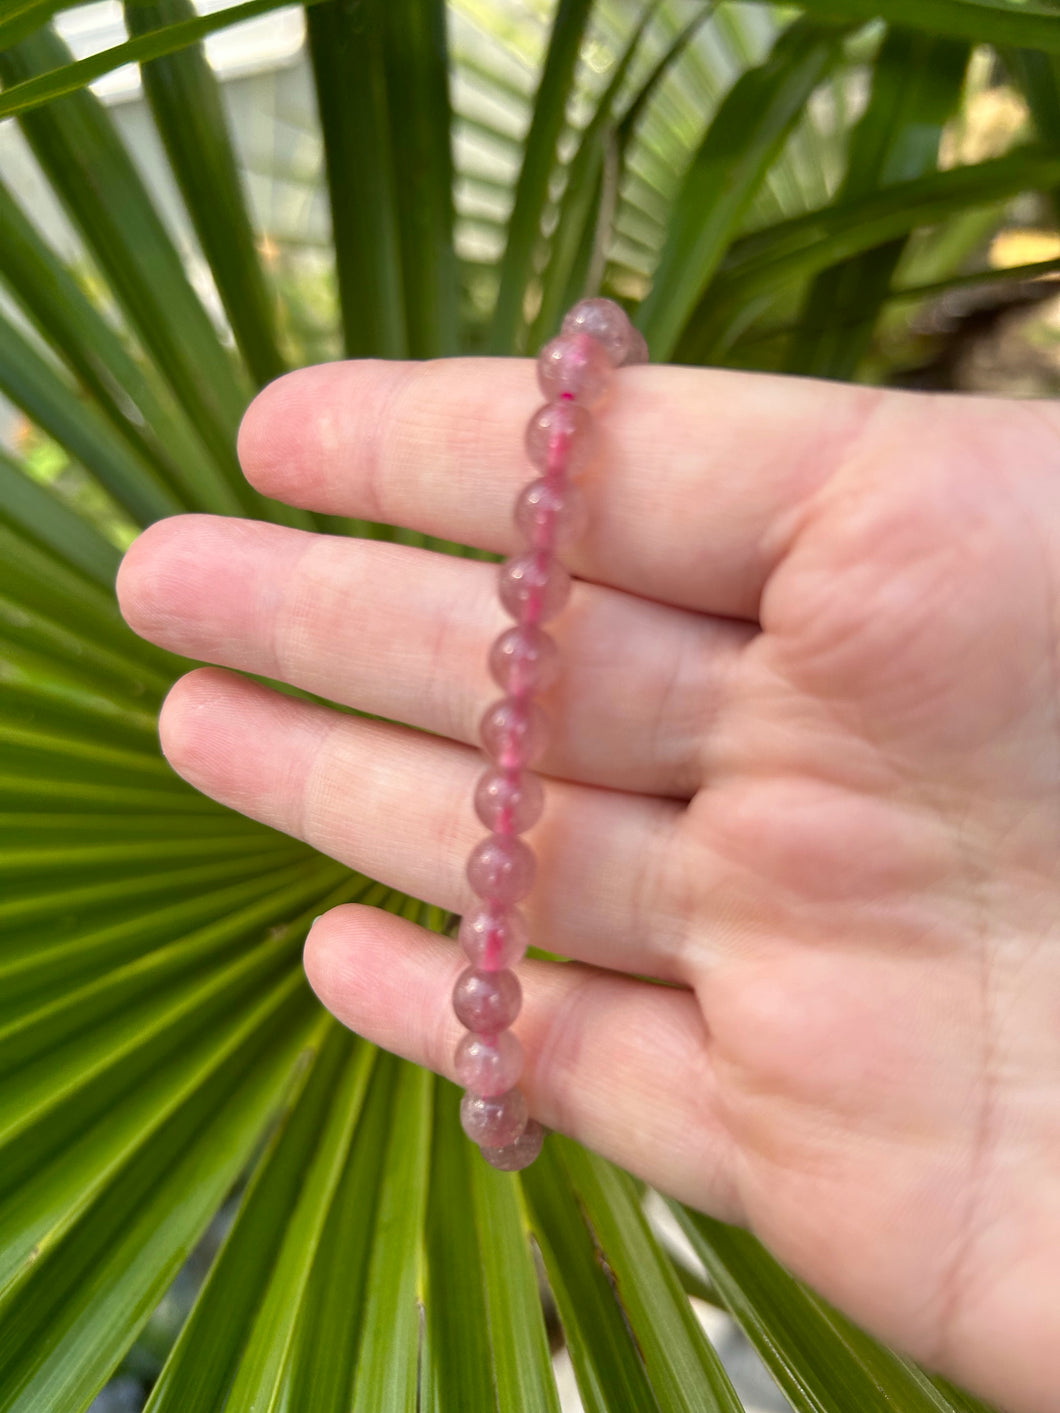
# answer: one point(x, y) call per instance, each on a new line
point(829, 189)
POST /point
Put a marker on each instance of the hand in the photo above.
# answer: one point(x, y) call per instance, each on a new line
point(806, 766)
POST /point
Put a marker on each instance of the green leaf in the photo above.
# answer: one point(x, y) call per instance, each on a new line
point(684, 1370)
point(539, 157)
point(916, 84)
point(822, 1362)
point(760, 264)
point(416, 62)
point(67, 76)
point(84, 1299)
point(458, 1367)
point(325, 1354)
point(348, 52)
point(978, 21)
point(740, 144)
point(521, 1363)
point(186, 104)
point(37, 387)
point(388, 1358)
point(602, 1347)
point(43, 516)
point(571, 247)
point(128, 395)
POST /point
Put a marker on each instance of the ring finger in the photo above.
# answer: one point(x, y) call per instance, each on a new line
point(395, 804)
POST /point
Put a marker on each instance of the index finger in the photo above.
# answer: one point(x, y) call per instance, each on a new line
point(699, 467)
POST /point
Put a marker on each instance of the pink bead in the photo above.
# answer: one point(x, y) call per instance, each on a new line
point(518, 1154)
point(514, 732)
point(524, 659)
point(574, 366)
point(487, 1001)
point(496, 1121)
point(551, 513)
point(606, 322)
point(501, 869)
point(489, 1066)
point(533, 588)
point(493, 937)
point(561, 437)
point(638, 349)
point(509, 802)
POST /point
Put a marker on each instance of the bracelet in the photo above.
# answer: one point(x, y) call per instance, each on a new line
point(574, 372)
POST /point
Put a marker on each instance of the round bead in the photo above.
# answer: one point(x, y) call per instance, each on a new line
point(501, 869)
point(496, 1120)
point(606, 322)
point(638, 349)
point(509, 802)
point(519, 1154)
point(574, 366)
point(493, 937)
point(524, 659)
point(514, 732)
point(487, 1001)
point(533, 589)
point(561, 437)
point(489, 1065)
point(551, 513)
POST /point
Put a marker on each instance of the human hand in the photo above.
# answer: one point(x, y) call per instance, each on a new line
point(805, 765)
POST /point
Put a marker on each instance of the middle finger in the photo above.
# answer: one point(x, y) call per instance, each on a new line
point(403, 633)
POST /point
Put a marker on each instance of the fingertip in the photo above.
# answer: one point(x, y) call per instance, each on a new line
point(146, 572)
point(296, 424)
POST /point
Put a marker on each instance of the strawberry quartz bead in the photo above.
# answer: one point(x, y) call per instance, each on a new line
point(533, 587)
point(574, 366)
point(606, 322)
point(551, 513)
point(562, 432)
point(524, 659)
point(501, 869)
point(518, 1154)
point(493, 937)
point(487, 1001)
point(514, 732)
point(494, 1121)
point(489, 1065)
point(509, 802)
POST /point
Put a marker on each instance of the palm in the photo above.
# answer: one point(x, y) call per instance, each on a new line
point(824, 806)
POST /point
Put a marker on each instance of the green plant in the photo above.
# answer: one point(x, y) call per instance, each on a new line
point(158, 1045)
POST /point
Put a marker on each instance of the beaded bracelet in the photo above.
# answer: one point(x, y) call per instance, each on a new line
point(574, 371)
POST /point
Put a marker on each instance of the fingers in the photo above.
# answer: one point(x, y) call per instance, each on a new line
point(620, 1065)
point(395, 804)
point(701, 484)
point(404, 633)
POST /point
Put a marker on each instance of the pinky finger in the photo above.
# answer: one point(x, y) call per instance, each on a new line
point(620, 1065)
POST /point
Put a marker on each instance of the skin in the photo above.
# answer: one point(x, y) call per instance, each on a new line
point(805, 767)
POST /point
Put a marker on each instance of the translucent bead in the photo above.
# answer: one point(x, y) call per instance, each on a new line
point(487, 1001)
point(606, 322)
point(574, 366)
point(524, 659)
point(496, 1121)
point(509, 802)
point(501, 869)
point(519, 1154)
point(489, 1065)
point(493, 937)
point(561, 437)
point(514, 732)
point(638, 349)
point(551, 513)
point(531, 590)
